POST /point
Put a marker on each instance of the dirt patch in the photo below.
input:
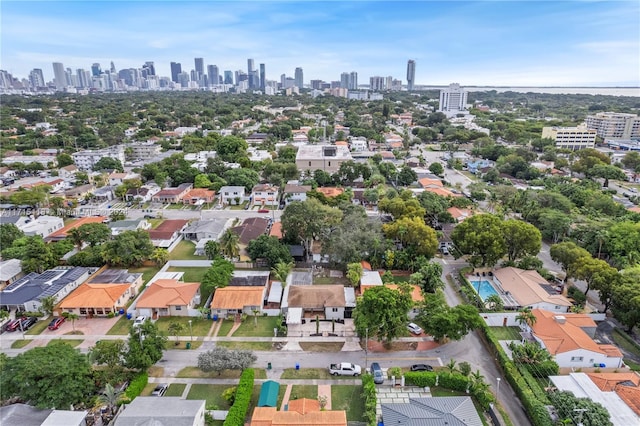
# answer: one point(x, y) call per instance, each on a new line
point(321, 347)
point(375, 346)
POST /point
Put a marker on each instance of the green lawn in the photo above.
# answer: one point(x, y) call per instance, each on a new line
point(121, 327)
point(252, 346)
point(175, 389)
point(19, 344)
point(171, 344)
point(147, 272)
point(39, 327)
point(155, 222)
point(349, 398)
point(199, 326)
point(506, 333)
point(225, 327)
point(210, 393)
point(330, 280)
point(175, 207)
point(184, 251)
point(72, 342)
point(196, 373)
point(264, 328)
point(310, 373)
point(304, 391)
point(148, 389)
point(191, 275)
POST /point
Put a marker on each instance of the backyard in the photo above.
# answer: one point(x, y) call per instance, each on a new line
point(191, 275)
point(184, 251)
point(506, 333)
point(348, 398)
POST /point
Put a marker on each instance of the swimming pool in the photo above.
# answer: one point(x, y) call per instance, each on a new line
point(483, 288)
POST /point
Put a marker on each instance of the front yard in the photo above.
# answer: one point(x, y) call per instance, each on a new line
point(199, 326)
point(348, 398)
point(264, 328)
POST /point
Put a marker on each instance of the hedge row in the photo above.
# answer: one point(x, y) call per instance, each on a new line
point(244, 392)
point(533, 384)
point(370, 399)
point(454, 381)
point(626, 337)
point(137, 385)
point(535, 408)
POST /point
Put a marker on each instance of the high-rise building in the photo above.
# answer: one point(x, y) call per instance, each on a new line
point(376, 83)
point(453, 99)
point(199, 62)
point(411, 74)
point(353, 81)
point(112, 68)
point(344, 80)
point(95, 69)
point(299, 78)
point(316, 84)
point(60, 76)
point(250, 69)
point(263, 77)
point(228, 77)
point(615, 125)
point(176, 69)
point(84, 78)
point(213, 75)
point(150, 67)
point(283, 79)
point(36, 78)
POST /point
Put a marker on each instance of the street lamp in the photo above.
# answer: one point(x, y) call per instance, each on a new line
point(498, 388)
point(190, 332)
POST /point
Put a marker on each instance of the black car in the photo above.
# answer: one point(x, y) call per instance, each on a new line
point(421, 367)
point(149, 216)
point(28, 322)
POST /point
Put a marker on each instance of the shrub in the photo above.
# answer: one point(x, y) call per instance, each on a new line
point(136, 386)
point(229, 395)
point(244, 391)
point(395, 371)
point(369, 392)
point(465, 368)
point(576, 294)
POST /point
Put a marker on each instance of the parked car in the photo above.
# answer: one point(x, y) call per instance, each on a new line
point(376, 372)
point(345, 369)
point(55, 323)
point(414, 328)
point(13, 325)
point(263, 211)
point(149, 216)
point(28, 322)
point(160, 390)
point(139, 321)
point(421, 367)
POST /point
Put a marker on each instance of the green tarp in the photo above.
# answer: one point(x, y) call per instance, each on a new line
point(269, 394)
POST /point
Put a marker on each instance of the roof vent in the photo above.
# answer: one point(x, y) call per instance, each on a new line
point(560, 319)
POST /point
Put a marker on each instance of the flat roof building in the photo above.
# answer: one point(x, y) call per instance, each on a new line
point(572, 138)
point(322, 157)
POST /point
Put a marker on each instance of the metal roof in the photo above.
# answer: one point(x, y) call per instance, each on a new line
point(435, 411)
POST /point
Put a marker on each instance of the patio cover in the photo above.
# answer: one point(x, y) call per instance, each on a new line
point(294, 316)
point(269, 394)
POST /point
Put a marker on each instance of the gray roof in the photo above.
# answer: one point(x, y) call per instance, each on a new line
point(214, 226)
point(349, 297)
point(36, 286)
point(23, 415)
point(275, 293)
point(65, 418)
point(117, 276)
point(436, 411)
point(165, 411)
point(129, 223)
point(10, 268)
point(9, 218)
point(300, 278)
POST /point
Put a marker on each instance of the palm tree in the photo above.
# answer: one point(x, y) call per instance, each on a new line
point(72, 316)
point(211, 249)
point(76, 237)
point(160, 256)
point(526, 317)
point(494, 302)
point(175, 328)
point(110, 398)
point(229, 244)
point(47, 304)
point(281, 271)
point(451, 366)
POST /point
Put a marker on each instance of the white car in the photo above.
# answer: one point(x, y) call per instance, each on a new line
point(139, 321)
point(414, 328)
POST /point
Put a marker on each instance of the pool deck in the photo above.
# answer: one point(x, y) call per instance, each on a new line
point(507, 299)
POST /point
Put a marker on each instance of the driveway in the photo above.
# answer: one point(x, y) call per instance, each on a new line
point(88, 327)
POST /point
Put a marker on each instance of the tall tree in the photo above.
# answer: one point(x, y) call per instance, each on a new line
point(443, 322)
point(481, 237)
point(281, 271)
point(413, 234)
point(569, 256)
point(145, 346)
point(8, 234)
point(271, 249)
point(521, 239)
point(159, 256)
point(212, 249)
point(39, 375)
point(354, 273)
point(219, 359)
point(218, 275)
point(229, 244)
point(382, 312)
point(130, 248)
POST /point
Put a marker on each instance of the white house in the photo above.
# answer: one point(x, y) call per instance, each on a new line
point(232, 195)
point(42, 225)
point(564, 338)
point(265, 195)
point(294, 192)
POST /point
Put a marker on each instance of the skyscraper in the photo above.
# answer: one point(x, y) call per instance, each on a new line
point(60, 77)
point(95, 69)
point(228, 77)
point(176, 69)
point(199, 69)
point(263, 77)
point(376, 83)
point(453, 99)
point(36, 78)
point(250, 69)
point(151, 69)
point(411, 74)
point(353, 80)
point(298, 77)
point(213, 75)
point(112, 68)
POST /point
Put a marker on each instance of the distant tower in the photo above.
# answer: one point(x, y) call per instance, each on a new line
point(353, 81)
point(176, 69)
point(411, 74)
point(60, 77)
point(213, 74)
point(112, 69)
point(299, 78)
point(199, 69)
point(95, 69)
point(250, 69)
point(453, 99)
point(228, 77)
point(344, 80)
point(263, 77)
point(36, 78)
point(150, 67)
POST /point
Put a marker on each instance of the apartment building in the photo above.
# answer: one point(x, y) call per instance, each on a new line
point(615, 125)
point(322, 157)
point(572, 138)
point(85, 160)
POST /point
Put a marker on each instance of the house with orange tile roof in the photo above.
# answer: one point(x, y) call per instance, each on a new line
point(276, 230)
point(235, 300)
point(62, 233)
point(563, 337)
point(172, 195)
point(625, 385)
point(430, 183)
point(299, 412)
point(168, 298)
point(96, 300)
point(460, 214)
point(168, 233)
point(530, 289)
point(198, 196)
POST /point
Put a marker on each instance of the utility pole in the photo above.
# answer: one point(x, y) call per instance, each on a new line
point(366, 348)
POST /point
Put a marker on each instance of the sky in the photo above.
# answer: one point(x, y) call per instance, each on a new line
point(486, 43)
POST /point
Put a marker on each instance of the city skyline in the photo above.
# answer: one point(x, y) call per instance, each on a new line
point(544, 43)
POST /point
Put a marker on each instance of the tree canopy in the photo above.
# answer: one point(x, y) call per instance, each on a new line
point(383, 312)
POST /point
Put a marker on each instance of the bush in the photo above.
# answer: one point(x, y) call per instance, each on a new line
point(395, 372)
point(229, 395)
point(136, 386)
point(369, 392)
point(36, 314)
point(577, 295)
point(244, 391)
point(465, 368)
